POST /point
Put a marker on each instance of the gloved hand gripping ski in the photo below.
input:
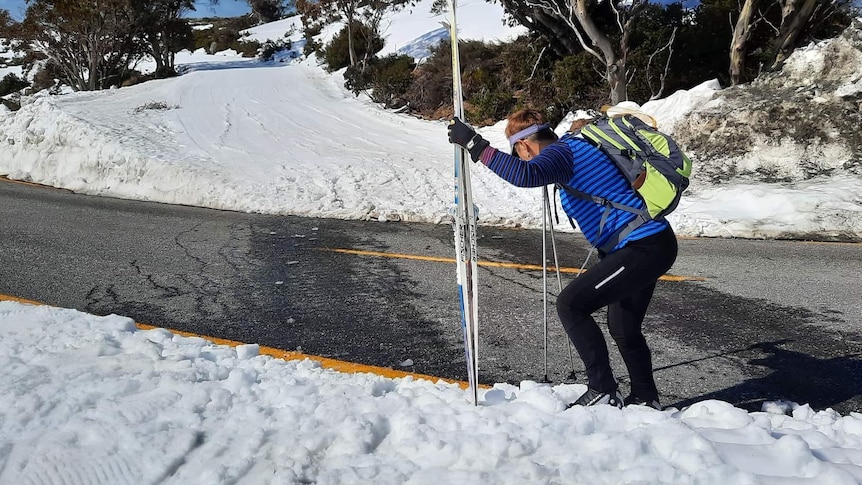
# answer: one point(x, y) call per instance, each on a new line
point(463, 134)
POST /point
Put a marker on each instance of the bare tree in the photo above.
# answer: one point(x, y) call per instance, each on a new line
point(164, 31)
point(571, 22)
point(362, 19)
point(796, 22)
point(347, 11)
point(267, 10)
point(739, 43)
point(373, 12)
point(663, 76)
point(92, 42)
point(5, 22)
point(795, 14)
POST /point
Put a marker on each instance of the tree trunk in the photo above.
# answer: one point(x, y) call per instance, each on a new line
point(790, 30)
point(93, 66)
point(615, 66)
point(738, 44)
point(158, 54)
point(350, 47)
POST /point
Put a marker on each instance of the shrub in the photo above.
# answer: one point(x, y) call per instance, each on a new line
point(336, 55)
point(431, 90)
point(133, 77)
point(270, 48)
point(155, 106)
point(11, 104)
point(242, 22)
point(47, 75)
point(388, 78)
point(492, 77)
point(309, 32)
point(577, 83)
point(202, 39)
point(11, 83)
point(498, 79)
point(245, 47)
point(225, 34)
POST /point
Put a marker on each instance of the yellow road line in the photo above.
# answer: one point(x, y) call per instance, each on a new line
point(4, 178)
point(19, 300)
point(325, 362)
point(797, 241)
point(837, 243)
point(487, 264)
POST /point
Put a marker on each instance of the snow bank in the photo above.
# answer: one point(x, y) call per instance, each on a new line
point(89, 399)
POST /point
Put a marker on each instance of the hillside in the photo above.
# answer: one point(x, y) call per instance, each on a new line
point(288, 138)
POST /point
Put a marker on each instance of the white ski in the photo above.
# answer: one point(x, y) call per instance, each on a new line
point(465, 227)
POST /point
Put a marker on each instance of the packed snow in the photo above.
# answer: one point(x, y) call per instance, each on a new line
point(8, 55)
point(89, 399)
point(287, 138)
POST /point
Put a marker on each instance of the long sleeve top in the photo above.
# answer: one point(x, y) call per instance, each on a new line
point(575, 162)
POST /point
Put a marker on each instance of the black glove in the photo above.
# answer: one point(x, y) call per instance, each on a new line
point(462, 134)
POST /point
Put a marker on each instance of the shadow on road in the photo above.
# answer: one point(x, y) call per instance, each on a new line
point(747, 351)
point(832, 382)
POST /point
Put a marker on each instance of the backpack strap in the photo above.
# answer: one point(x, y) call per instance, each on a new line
point(622, 233)
point(642, 216)
point(606, 203)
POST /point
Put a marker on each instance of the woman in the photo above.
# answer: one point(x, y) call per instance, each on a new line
point(625, 277)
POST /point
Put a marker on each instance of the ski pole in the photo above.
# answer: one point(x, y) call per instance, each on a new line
point(545, 216)
point(559, 278)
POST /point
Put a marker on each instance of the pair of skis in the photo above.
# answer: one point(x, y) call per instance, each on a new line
point(465, 228)
point(465, 225)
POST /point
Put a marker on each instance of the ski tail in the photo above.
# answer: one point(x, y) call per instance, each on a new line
point(465, 227)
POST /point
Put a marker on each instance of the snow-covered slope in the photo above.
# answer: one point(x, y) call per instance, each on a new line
point(239, 135)
point(287, 138)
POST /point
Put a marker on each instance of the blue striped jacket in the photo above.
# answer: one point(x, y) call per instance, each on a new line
point(575, 162)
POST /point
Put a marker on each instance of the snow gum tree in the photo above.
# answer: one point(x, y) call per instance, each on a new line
point(370, 13)
point(785, 24)
point(93, 42)
point(602, 28)
point(163, 31)
point(265, 11)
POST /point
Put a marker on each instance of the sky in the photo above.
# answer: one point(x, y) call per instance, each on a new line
point(87, 399)
point(225, 8)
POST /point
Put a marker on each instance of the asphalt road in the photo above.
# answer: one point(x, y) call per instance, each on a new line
point(771, 319)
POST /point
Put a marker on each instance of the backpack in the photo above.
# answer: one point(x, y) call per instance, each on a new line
point(651, 161)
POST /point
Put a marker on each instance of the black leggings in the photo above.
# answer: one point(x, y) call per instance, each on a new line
point(624, 282)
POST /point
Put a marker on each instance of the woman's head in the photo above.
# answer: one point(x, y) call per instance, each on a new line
point(528, 133)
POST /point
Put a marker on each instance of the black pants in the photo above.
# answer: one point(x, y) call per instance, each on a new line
point(624, 282)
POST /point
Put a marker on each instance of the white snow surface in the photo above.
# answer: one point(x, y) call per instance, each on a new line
point(87, 399)
point(287, 138)
point(7, 54)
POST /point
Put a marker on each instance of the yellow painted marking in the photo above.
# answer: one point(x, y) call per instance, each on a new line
point(325, 362)
point(3, 178)
point(489, 264)
point(837, 243)
point(18, 300)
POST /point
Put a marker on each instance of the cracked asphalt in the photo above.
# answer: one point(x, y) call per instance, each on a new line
point(772, 320)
